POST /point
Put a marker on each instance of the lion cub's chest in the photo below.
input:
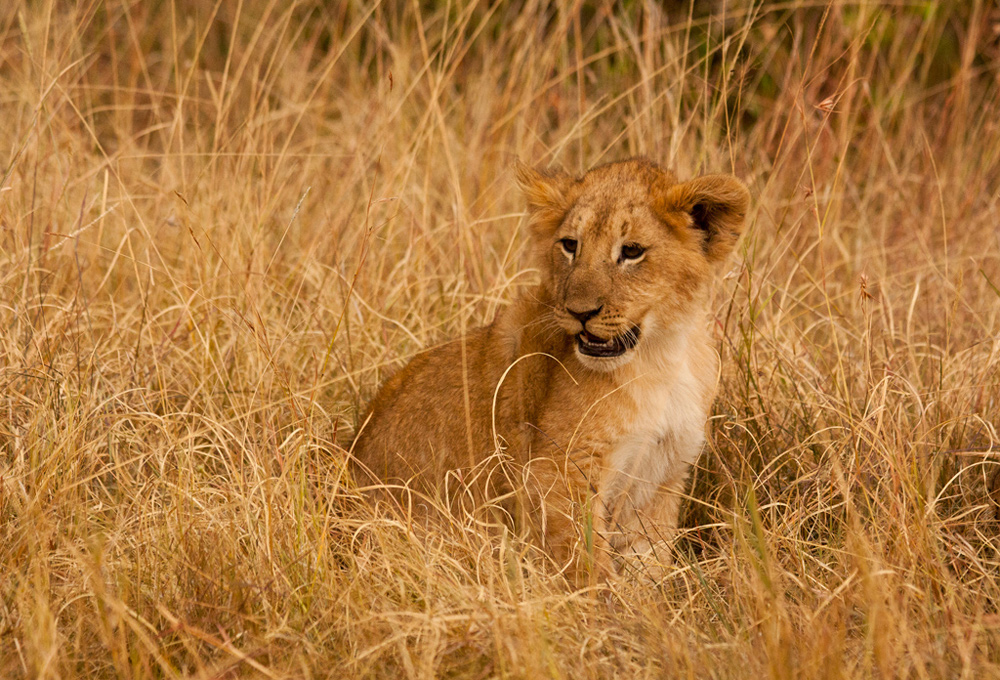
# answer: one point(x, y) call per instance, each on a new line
point(661, 434)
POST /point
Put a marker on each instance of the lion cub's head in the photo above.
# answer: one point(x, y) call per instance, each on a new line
point(626, 251)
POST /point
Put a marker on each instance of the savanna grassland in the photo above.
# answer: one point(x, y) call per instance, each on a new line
point(223, 225)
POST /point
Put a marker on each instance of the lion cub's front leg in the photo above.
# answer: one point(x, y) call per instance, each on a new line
point(561, 512)
point(590, 541)
point(597, 526)
point(641, 539)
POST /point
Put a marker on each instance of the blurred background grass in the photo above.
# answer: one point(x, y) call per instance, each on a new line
point(222, 225)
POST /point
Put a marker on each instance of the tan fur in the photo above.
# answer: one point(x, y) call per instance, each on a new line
point(595, 450)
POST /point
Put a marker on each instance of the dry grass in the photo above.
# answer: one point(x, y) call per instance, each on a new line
point(220, 227)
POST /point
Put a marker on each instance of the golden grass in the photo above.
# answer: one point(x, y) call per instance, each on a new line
point(221, 226)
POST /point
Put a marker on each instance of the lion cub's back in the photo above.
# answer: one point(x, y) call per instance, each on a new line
point(416, 424)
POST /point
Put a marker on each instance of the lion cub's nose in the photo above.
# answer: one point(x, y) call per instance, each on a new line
point(583, 317)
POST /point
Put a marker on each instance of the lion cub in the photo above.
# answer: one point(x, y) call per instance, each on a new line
point(583, 404)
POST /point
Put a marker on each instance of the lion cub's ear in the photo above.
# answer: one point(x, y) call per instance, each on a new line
point(548, 196)
point(717, 205)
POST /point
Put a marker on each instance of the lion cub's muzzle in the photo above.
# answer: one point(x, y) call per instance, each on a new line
point(590, 342)
point(593, 346)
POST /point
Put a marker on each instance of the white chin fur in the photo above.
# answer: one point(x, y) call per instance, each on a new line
point(604, 364)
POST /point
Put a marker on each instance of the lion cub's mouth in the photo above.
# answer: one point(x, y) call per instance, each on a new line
point(593, 346)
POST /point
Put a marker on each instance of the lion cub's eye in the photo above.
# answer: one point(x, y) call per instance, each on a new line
point(632, 251)
point(568, 245)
